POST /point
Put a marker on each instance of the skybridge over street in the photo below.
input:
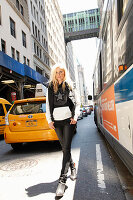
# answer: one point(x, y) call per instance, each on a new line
point(81, 25)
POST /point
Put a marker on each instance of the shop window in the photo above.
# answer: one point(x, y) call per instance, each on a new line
point(17, 56)
point(3, 46)
point(13, 52)
point(24, 39)
point(12, 27)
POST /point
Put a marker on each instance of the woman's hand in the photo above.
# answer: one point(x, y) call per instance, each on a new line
point(73, 121)
point(51, 125)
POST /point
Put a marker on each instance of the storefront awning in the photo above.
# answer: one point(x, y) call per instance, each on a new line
point(21, 69)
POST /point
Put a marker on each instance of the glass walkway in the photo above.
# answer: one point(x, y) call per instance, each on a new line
point(80, 25)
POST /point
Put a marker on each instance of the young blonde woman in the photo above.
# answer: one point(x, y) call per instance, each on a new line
point(62, 111)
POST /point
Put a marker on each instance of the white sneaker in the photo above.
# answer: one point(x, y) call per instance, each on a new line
point(73, 175)
point(60, 189)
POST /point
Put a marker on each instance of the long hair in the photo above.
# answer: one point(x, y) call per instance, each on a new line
point(53, 77)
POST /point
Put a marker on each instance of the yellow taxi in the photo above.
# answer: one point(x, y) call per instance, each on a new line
point(4, 107)
point(26, 122)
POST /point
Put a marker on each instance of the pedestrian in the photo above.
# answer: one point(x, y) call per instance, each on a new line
point(62, 111)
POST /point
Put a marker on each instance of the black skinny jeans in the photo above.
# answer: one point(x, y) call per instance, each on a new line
point(65, 132)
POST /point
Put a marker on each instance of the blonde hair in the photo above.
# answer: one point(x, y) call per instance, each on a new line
point(53, 79)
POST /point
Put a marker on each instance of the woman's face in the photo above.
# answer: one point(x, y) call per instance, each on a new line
point(60, 74)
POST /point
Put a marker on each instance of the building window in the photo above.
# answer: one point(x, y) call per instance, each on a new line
point(125, 2)
point(12, 27)
point(3, 46)
point(21, 10)
point(28, 62)
point(13, 52)
point(46, 45)
point(38, 35)
point(24, 60)
point(36, 31)
point(17, 56)
point(37, 51)
point(47, 76)
point(24, 39)
point(34, 47)
point(37, 16)
point(39, 70)
point(42, 39)
point(34, 12)
point(31, 7)
point(122, 4)
point(17, 4)
point(33, 28)
point(0, 15)
point(40, 53)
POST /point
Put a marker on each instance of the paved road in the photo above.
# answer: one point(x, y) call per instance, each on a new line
point(33, 173)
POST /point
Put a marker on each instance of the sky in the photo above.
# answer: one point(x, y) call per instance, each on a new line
point(85, 49)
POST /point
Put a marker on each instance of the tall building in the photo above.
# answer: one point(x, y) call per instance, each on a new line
point(15, 47)
point(82, 87)
point(70, 61)
point(17, 69)
point(39, 39)
point(100, 4)
point(15, 30)
point(56, 43)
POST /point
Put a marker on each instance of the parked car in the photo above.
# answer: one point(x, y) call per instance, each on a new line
point(88, 109)
point(84, 111)
point(26, 122)
point(81, 114)
point(4, 107)
point(91, 107)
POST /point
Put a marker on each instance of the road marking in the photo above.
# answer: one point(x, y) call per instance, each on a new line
point(100, 174)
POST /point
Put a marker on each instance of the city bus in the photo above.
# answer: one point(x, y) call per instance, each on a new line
point(113, 78)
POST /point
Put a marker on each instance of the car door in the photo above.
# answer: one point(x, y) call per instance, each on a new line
point(2, 119)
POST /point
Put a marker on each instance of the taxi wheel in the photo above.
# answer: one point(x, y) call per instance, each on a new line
point(17, 146)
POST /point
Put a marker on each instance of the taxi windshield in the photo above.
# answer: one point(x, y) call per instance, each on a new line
point(28, 108)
